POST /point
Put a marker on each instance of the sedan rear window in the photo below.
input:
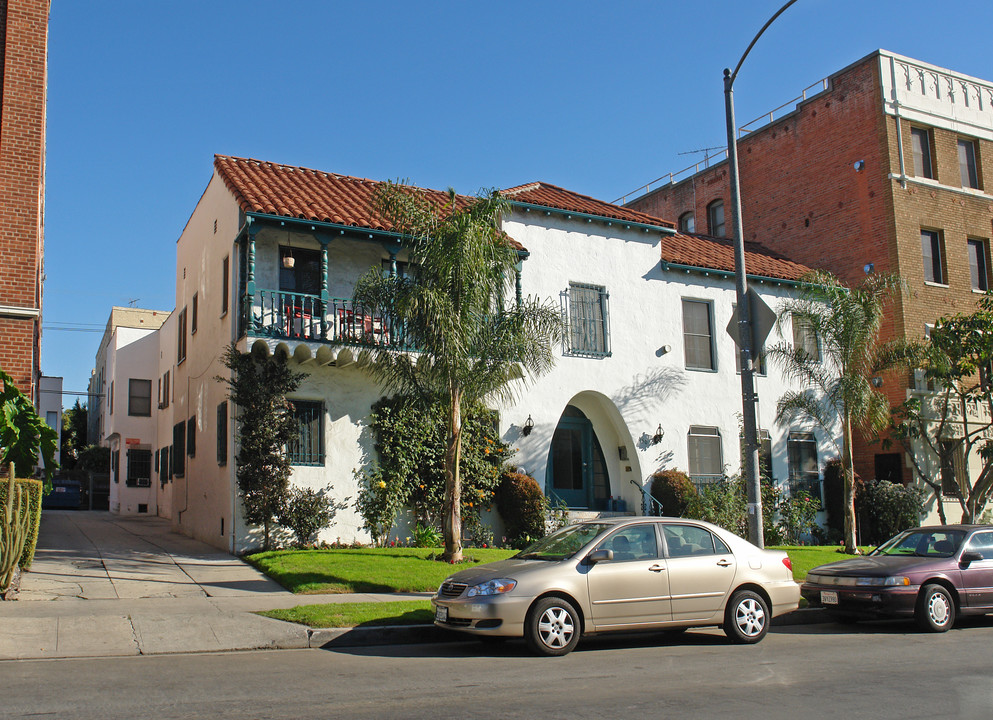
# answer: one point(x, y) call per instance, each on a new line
point(923, 543)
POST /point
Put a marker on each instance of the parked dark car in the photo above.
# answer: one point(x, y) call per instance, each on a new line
point(66, 494)
point(933, 574)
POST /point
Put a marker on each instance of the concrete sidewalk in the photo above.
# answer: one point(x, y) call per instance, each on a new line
point(103, 585)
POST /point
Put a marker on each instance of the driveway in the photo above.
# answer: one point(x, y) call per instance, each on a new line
point(96, 556)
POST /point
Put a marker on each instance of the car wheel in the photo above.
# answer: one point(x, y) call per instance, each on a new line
point(552, 627)
point(935, 610)
point(746, 619)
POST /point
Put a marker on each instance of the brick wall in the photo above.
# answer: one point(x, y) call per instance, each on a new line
point(24, 38)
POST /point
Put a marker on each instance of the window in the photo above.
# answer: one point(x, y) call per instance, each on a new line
point(110, 399)
point(225, 280)
point(979, 254)
point(952, 467)
point(164, 465)
point(140, 398)
point(588, 329)
point(52, 420)
point(115, 464)
point(165, 391)
point(982, 543)
point(404, 269)
point(933, 250)
point(304, 277)
point(687, 222)
point(181, 337)
point(804, 475)
point(191, 437)
point(698, 336)
point(692, 541)
point(805, 338)
point(715, 218)
point(307, 448)
point(179, 449)
point(634, 542)
point(194, 313)
point(765, 453)
point(222, 433)
point(703, 446)
point(967, 164)
point(920, 139)
point(139, 467)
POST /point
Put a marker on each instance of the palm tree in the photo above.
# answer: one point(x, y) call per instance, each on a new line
point(845, 322)
point(469, 345)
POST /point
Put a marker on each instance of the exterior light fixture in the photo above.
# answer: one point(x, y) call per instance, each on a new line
point(877, 382)
point(528, 426)
point(868, 268)
point(288, 260)
point(659, 434)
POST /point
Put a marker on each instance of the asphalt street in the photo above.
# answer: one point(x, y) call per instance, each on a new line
point(875, 670)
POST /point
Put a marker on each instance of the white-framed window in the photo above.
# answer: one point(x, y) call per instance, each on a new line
point(920, 140)
point(979, 264)
point(140, 398)
point(933, 252)
point(804, 337)
point(715, 218)
point(703, 447)
point(967, 163)
point(589, 330)
point(804, 472)
point(687, 223)
point(952, 467)
point(698, 334)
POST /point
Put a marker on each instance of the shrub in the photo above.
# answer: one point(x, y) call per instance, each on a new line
point(889, 507)
point(673, 490)
point(308, 511)
point(522, 505)
point(379, 500)
point(725, 503)
point(426, 536)
point(34, 489)
point(797, 516)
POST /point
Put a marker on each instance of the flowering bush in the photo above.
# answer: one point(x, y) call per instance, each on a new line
point(523, 507)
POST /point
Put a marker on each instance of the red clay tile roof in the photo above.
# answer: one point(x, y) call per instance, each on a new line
point(551, 196)
point(705, 251)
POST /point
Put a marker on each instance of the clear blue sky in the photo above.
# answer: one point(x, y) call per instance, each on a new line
point(596, 97)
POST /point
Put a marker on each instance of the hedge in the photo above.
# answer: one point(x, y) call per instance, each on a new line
point(34, 489)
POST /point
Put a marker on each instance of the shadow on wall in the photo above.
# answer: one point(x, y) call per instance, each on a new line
point(651, 388)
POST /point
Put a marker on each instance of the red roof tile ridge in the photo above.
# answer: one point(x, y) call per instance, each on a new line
point(294, 168)
point(521, 188)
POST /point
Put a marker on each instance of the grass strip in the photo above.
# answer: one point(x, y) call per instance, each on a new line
point(365, 614)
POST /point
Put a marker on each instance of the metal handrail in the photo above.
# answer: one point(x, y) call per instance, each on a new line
point(650, 503)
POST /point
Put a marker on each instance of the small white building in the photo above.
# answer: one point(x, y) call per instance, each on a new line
point(50, 407)
point(646, 353)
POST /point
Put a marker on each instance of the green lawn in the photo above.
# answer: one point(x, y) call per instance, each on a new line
point(334, 615)
point(805, 558)
point(363, 569)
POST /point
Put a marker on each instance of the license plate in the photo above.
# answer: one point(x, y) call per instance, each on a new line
point(829, 597)
point(441, 614)
point(60, 489)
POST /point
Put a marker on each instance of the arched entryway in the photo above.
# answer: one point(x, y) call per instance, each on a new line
point(577, 471)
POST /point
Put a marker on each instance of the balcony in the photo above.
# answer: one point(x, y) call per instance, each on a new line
point(338, 321)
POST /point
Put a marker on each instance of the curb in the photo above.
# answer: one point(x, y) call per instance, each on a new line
point(412, 634)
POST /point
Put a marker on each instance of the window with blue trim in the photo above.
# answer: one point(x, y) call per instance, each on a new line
point(307, 448)
point(589, 333)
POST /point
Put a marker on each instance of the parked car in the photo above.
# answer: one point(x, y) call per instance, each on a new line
point(66, 494)
point(632, 573)
point(932, 574)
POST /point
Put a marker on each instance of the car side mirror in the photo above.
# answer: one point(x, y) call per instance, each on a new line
point(599, 555)
point(970, 556)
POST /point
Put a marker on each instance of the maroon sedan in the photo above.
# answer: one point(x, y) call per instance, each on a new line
point(932, 574)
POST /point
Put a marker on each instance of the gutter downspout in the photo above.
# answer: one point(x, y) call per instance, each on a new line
point(899, 130)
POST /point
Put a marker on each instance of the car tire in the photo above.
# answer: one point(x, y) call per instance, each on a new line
point(935, 611)
point(746, 619)
point(552, 627)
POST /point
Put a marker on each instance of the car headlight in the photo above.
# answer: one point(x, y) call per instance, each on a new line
point(891, 581)
point(497, 586)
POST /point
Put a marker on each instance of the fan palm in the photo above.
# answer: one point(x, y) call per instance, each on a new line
point(465, 344)
point(846, 323)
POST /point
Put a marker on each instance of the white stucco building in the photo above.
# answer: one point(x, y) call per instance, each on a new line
point(646, 349)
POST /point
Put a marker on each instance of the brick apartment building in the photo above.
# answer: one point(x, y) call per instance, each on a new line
point(886, 167)
point(23, 72)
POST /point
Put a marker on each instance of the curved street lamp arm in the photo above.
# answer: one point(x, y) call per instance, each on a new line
point(755, 40)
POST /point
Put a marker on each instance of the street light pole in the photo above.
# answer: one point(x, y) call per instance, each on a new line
point(750, 461)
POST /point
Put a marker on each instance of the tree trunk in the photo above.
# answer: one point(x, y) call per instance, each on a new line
point(848, 471)
point(452, 522)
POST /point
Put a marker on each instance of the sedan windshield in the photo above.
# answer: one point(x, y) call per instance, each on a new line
point(923, 543)
point(563, 543)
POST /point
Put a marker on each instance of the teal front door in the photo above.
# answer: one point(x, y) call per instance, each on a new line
point(570, 465)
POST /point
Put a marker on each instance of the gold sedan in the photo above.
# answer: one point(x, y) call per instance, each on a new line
point(632, 573)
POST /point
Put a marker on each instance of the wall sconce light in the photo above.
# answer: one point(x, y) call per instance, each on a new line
point(877, 382)
point(868, 268)
point(859, 165)
point(528, 426)
point(659, 434)
point(288, 260)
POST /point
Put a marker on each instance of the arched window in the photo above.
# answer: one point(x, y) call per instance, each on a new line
point(687, 223)
point(715, 218)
